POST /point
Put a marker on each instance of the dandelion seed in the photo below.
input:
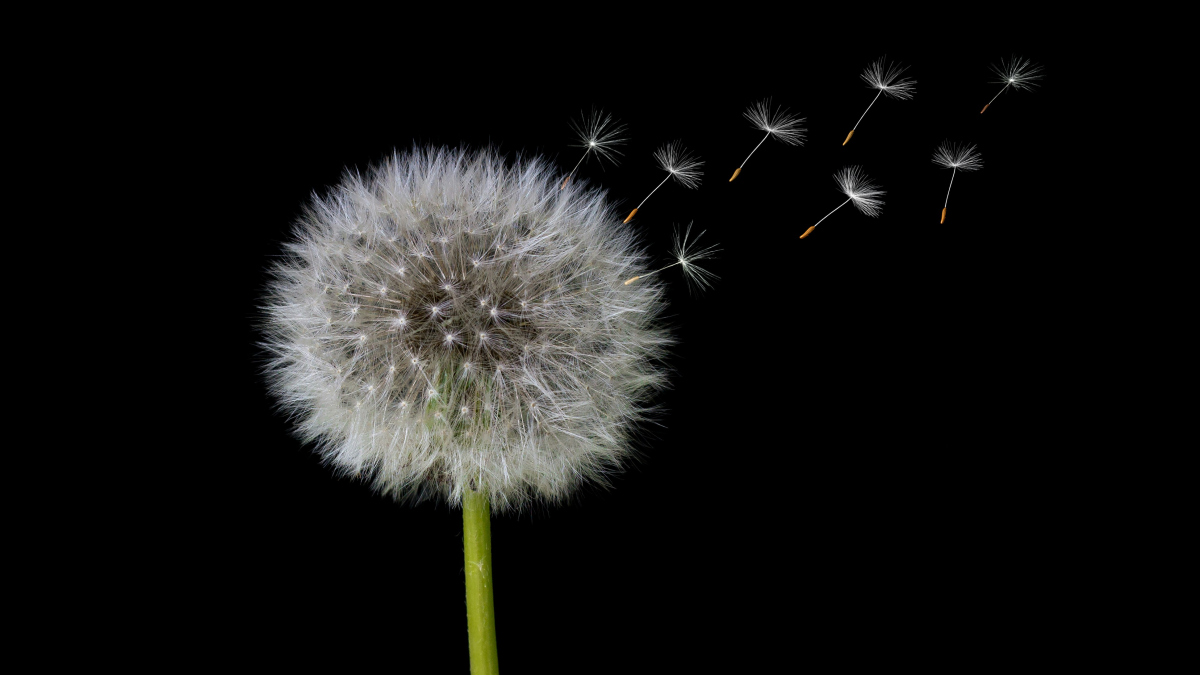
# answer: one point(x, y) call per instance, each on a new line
point(1017, 73)
point(858, 189)
point(886, 78)
point(686, 256)
point(597, 134)
point(784, 127)
point(956, 158)
point(679, 164)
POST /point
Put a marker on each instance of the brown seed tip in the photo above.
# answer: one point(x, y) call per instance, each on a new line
point(943, 215)
point(565, 181)
point(735, 174)
point(630, 281)
point(630, 216)
point(984, 108)
point(848, 137)
point(808, 231)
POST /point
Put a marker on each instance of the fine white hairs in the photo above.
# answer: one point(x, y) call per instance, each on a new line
point(1018, 73)
point(853, 183)
point(886, 78)
point(679, 164)
point(959, 157)
point(451, 321)
point(597, 134)
point(687, 253)
point(785, 127)
point(956, 158)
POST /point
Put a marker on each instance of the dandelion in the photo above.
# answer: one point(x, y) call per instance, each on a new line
point(956, 158)
point(686, 256)
point(679, 164)
point(886, 78)
point(784, 127)
point(858, 189)
point(597, 134)
point(1017, 73)
point(408, 397)
point(549, 275)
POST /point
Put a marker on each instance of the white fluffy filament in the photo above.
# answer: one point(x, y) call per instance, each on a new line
point(597, 134)
point(956, 158)
point(784, 127)
point(865, 195)
point(886, 78)
point(1018, 73)
point(686, 256)
point(679, 164)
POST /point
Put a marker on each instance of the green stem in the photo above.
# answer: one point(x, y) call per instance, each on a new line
point(477, 552)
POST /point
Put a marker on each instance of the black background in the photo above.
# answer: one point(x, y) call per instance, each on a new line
point(835, 479)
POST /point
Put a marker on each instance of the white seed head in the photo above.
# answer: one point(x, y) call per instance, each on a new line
point(886, 78)
point(853, 182)
point(599, 134)
point(523, 376)
point(786, 128)
point(1017, 73)
point(680, 163)
point(962, 157)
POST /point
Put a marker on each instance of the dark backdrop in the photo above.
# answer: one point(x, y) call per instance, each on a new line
point(834, 478)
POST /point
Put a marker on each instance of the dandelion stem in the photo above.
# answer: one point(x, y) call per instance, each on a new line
point(477, 554)
point(585, 154)
point(951, 186)
point(572, 174)
point(764, 138)
point(864, 113)
point(831, 212)
point(654, 190)
point(677, 262)
point(996, 96)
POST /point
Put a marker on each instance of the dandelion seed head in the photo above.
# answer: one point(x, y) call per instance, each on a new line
point(886, 77)
point(393, 387)
point(676, 160)
point(1018, 73)
point(867, 196)
point(962, 157)
point(783, 126)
